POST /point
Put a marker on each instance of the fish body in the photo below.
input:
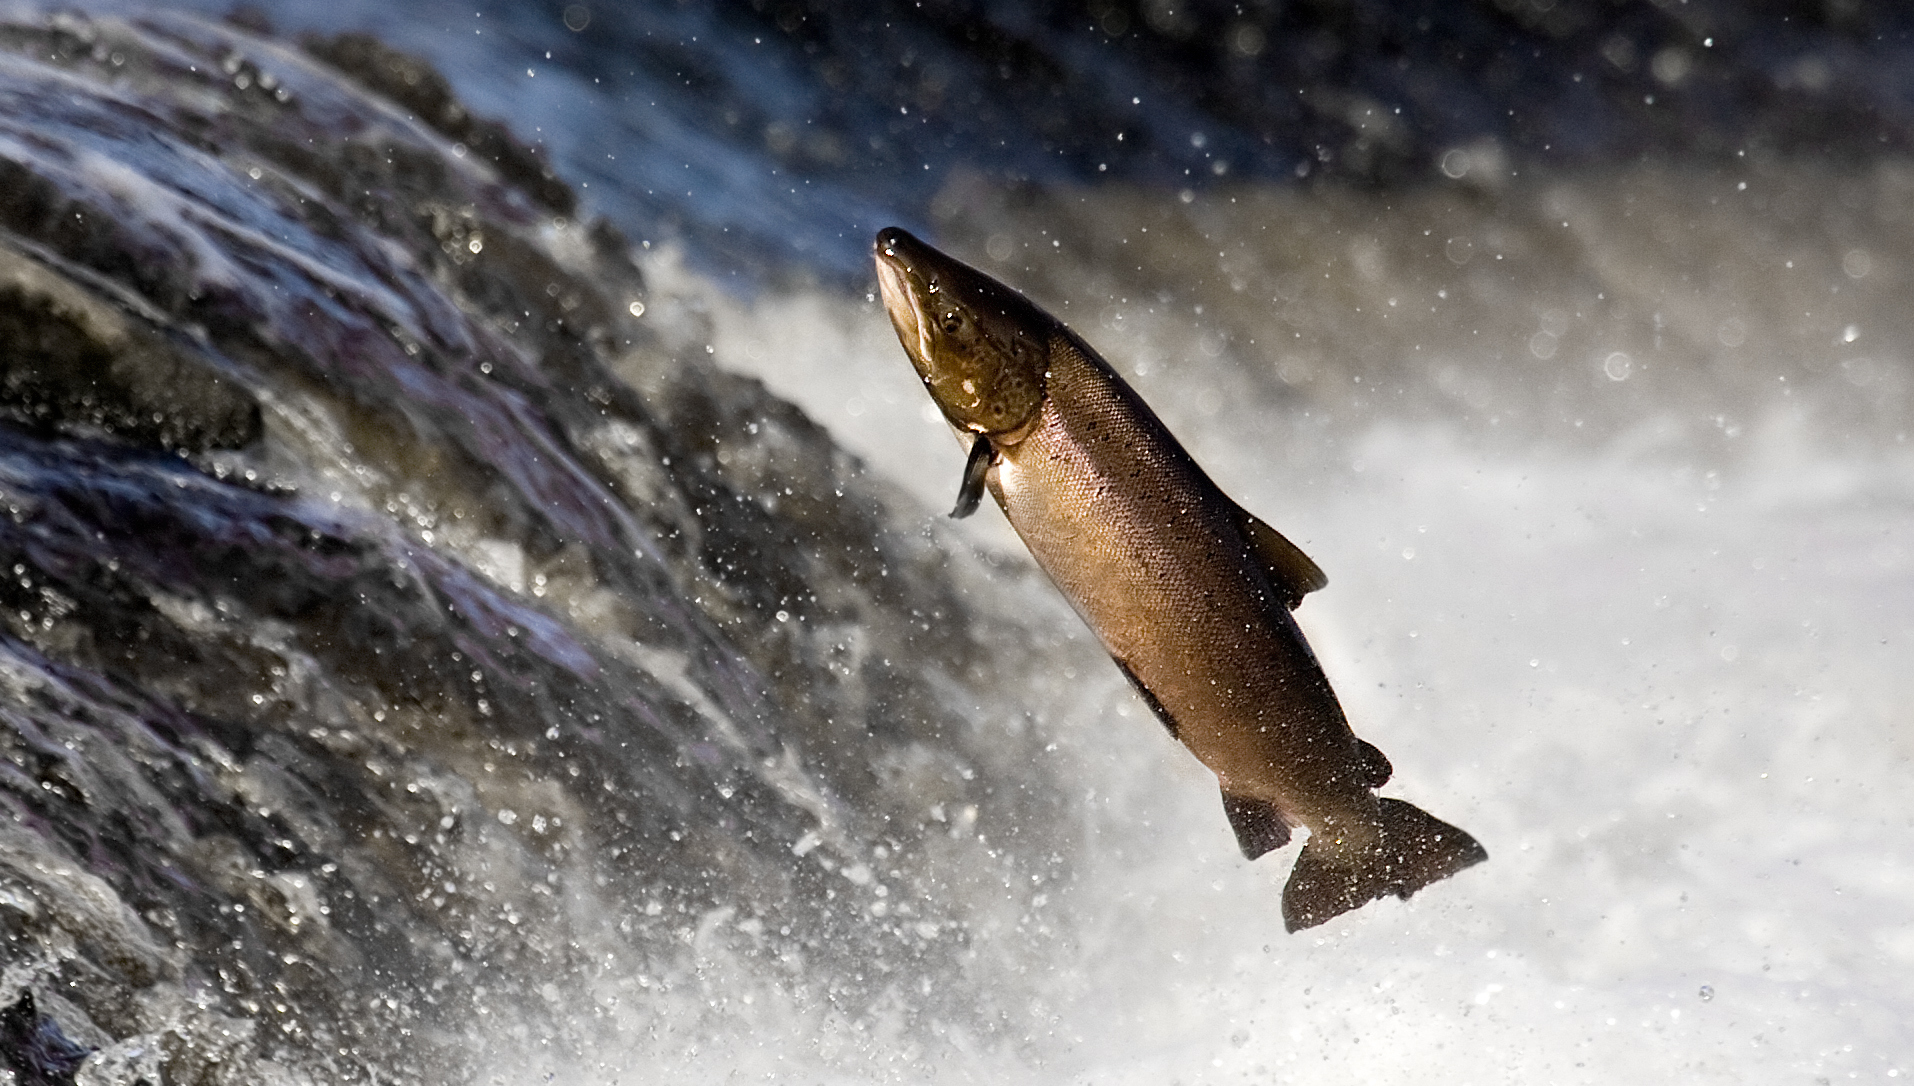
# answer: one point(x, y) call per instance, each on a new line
point(1190, 594)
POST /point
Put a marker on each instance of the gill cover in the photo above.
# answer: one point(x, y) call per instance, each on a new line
point(979, 346)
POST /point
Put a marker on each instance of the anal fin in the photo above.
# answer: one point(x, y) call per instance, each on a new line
point(1259, 826)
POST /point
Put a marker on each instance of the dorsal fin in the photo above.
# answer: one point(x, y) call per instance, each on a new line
point(1289, 568)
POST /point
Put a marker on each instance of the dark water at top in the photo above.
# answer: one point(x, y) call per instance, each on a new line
point(788, 132)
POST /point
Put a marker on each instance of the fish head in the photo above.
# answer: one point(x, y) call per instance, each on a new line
point(981, 348)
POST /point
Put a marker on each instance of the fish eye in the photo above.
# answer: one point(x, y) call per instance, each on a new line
point(953, 323)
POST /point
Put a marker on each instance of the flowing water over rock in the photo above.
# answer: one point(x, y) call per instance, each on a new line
point(403, 634)
point(428, 657)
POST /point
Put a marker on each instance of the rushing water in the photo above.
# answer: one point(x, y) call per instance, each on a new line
point(1611, 478)
point(780, 133)
point(427, 657)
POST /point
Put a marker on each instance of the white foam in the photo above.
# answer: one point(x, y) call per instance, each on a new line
point(1665, 689)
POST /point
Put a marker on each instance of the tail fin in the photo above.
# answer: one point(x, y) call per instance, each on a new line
point(1416, 849)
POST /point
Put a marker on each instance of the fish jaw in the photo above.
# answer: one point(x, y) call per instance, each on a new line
point(900, 301)
point(980, 347)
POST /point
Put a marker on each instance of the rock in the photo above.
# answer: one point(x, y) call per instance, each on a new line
point(34, 1049)
point(398, 637)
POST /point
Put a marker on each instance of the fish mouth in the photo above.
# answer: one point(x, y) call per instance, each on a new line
point(898, 286)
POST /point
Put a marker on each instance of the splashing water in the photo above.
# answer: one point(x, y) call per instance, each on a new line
point(1643, 634)
point(421, 662)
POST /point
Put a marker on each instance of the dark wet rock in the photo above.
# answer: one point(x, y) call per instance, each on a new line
point(33, 1047)
point(398, 635)
point(76, 364)
point(414, 84)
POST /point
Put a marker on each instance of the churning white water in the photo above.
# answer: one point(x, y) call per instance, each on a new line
point(1618, 536)
point(1609, 471)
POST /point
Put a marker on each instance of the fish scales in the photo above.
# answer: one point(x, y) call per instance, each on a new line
point(1131, 530)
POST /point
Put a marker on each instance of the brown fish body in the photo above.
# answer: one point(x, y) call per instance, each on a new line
point(1155, 559)
point(1190, 594)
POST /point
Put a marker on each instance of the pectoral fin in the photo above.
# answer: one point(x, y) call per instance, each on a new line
point(971, 492)
point(1289, 568)
point(1259, 826)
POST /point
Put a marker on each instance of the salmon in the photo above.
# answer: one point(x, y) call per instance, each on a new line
point(1191, 594)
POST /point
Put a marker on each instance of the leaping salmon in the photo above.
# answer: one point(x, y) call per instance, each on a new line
point(1189, 593)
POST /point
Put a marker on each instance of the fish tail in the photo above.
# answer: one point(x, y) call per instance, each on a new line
point(1414, 849)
